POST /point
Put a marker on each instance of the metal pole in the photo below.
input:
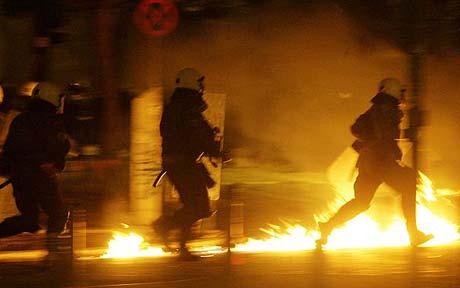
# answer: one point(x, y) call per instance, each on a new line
point(415, 62)
point(415, 18)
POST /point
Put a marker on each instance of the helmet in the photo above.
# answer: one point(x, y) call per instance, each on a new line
point(27, 89)
point(47, 92)
point(392, 87)
point(191, 79)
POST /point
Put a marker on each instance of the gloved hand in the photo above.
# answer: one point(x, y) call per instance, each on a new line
point(226, 157)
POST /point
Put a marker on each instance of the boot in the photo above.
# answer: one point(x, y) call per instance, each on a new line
point(325, 229)
point(162, 230)
point(185, 255)
point(17, 224)
point(418, 238)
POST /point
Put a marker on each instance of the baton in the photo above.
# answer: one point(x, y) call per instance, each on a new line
point(158, 179)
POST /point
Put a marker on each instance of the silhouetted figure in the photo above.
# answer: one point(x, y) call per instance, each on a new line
point(35, 151)
point(377, 131)
point(186, 135)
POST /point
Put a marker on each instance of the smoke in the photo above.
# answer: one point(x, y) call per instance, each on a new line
point(441, 153)
point(296, 79)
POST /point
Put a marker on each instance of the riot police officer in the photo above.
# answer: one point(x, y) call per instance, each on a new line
point(34, 151)
point(185, 136)
point(377, 131)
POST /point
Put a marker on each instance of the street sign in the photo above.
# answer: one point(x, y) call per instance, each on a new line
point(156, 17)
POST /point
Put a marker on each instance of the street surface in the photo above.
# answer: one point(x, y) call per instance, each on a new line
point(268, 198)
point(396, 267)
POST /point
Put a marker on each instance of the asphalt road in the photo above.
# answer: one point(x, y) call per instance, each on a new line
point(395, 267)
point(265, 202)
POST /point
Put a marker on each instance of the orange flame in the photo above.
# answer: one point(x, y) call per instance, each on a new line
point(131, 245)
point(363, 231)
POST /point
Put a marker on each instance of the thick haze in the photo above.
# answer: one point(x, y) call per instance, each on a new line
point(295, 79)
point(443, 103)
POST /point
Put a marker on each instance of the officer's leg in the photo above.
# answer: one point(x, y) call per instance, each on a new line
point(27, 205)
point(169, 222)
point(365, 187)
point(195, 206)
point(165, 223)
point(404, 180)
point(52, 203)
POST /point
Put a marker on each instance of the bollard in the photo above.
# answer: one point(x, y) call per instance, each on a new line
point(59, 247)
point(78, 230)
point(236, 216)
point(58, 243)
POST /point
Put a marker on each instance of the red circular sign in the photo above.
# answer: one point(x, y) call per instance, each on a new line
point(156, 17)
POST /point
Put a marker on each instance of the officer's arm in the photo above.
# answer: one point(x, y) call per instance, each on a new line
point(58, 146)
point(12, 142)
point(390, 118)
point(204, 135)
point(363, 129)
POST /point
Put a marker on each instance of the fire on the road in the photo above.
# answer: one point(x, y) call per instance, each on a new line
point(131, 245)
point(362, 232)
